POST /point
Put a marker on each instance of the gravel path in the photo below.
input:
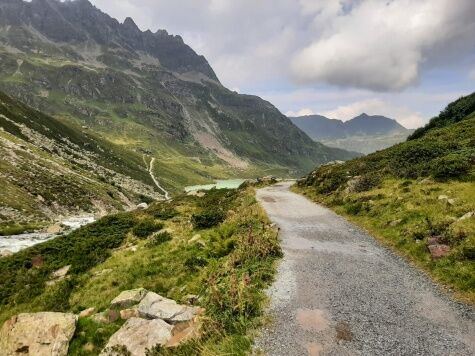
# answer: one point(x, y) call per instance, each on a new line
point(339, 292)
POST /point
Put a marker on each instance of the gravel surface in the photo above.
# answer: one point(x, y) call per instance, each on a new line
point(339, 292)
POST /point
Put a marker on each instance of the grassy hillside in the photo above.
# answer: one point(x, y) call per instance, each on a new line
point(50, 168)
point(420, 189)
point(220, 247)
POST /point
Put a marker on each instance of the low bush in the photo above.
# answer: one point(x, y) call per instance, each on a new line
point(450, 166)
point(163, 211)
point(207, 219)
point(159, 238)
point(146, 227)
point(366, 183)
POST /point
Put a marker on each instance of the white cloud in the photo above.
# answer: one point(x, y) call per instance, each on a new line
point(301, 112)
point(406, 117)
point(381, 45)
point(361, 46)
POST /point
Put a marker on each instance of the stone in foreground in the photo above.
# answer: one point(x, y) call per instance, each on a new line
point(137, 335)
point(38, 334)
point(154, 306)
point(439, 250)
point(128, 298)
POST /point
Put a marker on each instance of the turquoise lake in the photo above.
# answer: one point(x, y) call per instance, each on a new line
point(219, 184)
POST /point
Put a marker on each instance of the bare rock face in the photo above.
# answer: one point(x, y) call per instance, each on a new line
point(37, 334)
point(137, 335)
point(128, 298)
point(154, 306)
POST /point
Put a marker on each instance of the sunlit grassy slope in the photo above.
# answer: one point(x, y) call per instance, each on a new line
point(413, 191)
point(220, 247)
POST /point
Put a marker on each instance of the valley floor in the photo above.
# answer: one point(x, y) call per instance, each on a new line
point(339, 292)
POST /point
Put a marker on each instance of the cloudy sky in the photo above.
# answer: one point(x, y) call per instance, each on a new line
point(402, 58)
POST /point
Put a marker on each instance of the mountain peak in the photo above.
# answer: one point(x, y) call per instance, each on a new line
point(130, 24)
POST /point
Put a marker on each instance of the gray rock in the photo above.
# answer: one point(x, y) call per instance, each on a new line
point(137, 335)
point(38, 334)
point(142, 206)
point(86, 312)
point(58, 275)
point(469, 215)
point(129, 297)
point(154, 306)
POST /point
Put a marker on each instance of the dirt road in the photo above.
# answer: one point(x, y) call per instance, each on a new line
point(339, 292)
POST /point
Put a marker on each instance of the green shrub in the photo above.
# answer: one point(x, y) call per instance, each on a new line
point(159, 238)
point(207, 219)
point(195, 261)
point(146, 227)
point(365, 183)
point(82, 249)
point(354, 208)
point(163, 211)
point(450, 166)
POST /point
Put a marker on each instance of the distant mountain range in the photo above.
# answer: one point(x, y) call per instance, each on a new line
point(364, 133)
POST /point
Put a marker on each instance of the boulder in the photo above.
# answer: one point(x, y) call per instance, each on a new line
point(61, 273)
point(426, 181)
point(106, 317)
point(195, 238)
point(54, 229)
point(442, 197)
point(58, 275)
point(353, 184)
point(137, 335)
point(129, 313)
point(154, 306)
point(469, 215)
point(439, 250)
point(395, 222)
point(86, 312)
point(142, 206)
point(38, 334)
point(184, 332)
point(5, 253)
point(128, 298)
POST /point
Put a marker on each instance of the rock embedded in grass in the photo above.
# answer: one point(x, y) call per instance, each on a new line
point(137, 335)
point(439, 250)
point(128, 298)
point(86, 312)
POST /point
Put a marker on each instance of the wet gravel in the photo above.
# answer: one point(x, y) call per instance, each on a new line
point(340, 292)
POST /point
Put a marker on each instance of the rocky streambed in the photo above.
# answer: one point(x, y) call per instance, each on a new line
point(15, 243)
